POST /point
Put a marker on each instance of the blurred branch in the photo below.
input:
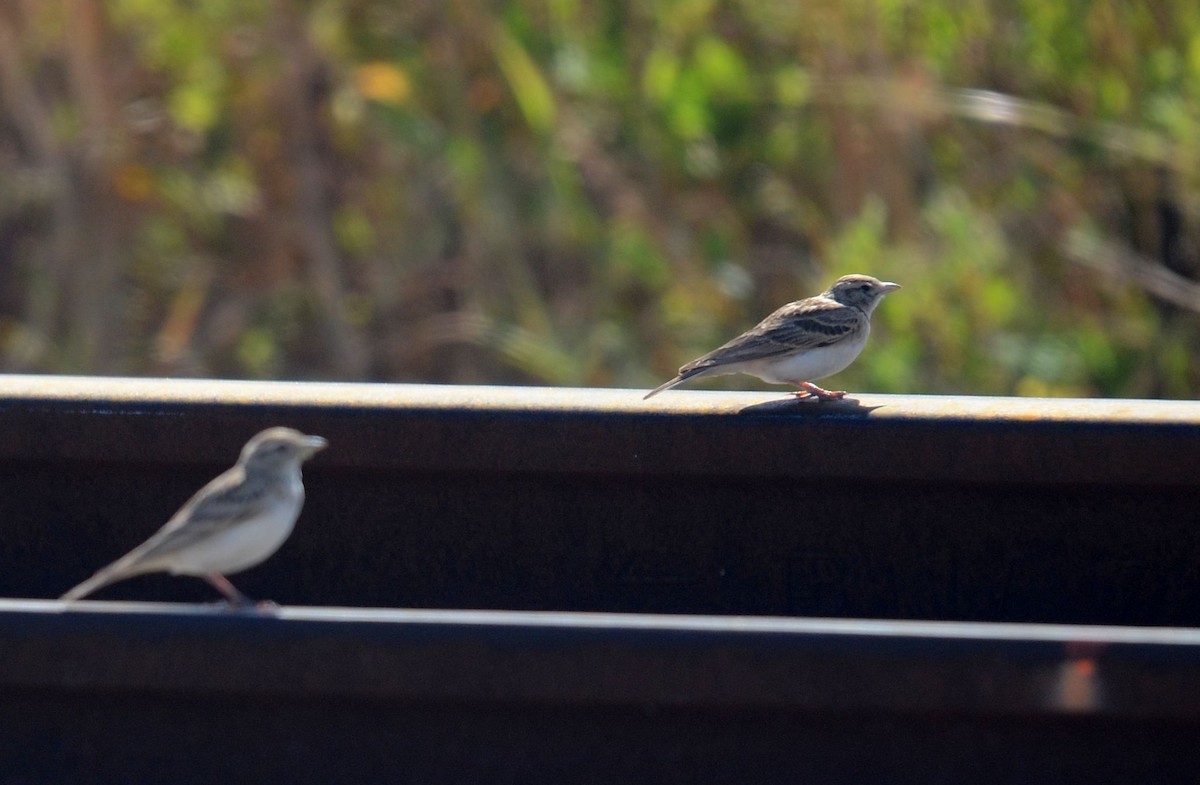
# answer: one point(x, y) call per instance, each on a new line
point(50, 263)
point(92, 285)
point(29, 116)
point(913, 97)
point(312, 216)
point(183, 316)
point(993, 107)
point(601, 174)
point(1122, 263)
point(88, 84)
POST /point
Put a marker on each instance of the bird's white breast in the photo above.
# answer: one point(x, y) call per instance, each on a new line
point(808, 365)
point(242, 546)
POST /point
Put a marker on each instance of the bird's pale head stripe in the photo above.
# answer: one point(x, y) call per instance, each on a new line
point(280, 438)
point(859, 290)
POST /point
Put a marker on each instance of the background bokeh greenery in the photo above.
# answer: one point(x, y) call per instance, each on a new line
point(591, 193)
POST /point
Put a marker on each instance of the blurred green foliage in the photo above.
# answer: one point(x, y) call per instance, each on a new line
point(561, 192)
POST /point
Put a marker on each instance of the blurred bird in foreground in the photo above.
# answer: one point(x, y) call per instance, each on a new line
point(802, 341)
point(233, 523)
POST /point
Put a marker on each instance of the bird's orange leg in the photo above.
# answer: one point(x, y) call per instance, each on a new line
point(820, 392)
point(234, 597)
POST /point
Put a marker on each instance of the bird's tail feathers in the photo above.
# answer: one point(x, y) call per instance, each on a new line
point(678, 380)
point(663, 386)
point(117, 571)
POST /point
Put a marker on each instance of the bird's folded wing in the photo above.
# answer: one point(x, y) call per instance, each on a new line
point(225, 502)
point(794, 327)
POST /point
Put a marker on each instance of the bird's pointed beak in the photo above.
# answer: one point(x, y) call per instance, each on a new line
point(888, 286)
point(315, 444)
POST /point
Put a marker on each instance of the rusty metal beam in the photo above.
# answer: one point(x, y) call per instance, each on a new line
point(137, 692)
point(603, 659)
point(732, 508)
point(588, 431)
point(594, 500)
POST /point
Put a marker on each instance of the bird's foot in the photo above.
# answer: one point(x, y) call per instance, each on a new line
point(233, 598)
point(266, 607)
point(820, 392)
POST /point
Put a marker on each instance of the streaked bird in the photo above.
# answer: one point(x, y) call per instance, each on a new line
point(801, 342)
point(233, 523)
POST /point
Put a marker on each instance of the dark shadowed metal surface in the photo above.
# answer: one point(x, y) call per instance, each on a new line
point(583, 431)
point(147, 692)
point(903, 507)
point(734, 510)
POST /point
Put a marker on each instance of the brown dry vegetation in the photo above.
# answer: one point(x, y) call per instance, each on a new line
point(562, 192)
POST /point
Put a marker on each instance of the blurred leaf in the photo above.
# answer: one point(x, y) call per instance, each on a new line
point(793, 86)
point(722, 68)
point(525, 79)
point(194, 106)
point(353, 231)
point(635, 258)
point(133, 182)
point(858, 246)
point(383, 82)
point(537, 355)
point(660, 74)
point(256, 350)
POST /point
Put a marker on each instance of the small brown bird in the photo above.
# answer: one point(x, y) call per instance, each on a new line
point(233, 523)
point(802, 341)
